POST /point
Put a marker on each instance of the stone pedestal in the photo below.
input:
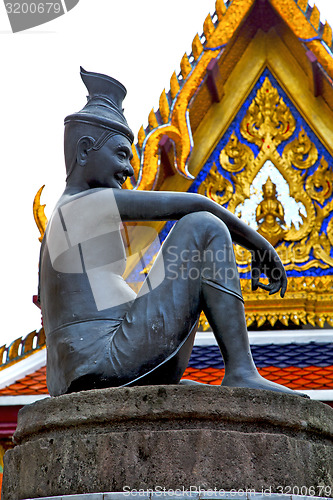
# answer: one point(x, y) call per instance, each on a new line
point(172, 437)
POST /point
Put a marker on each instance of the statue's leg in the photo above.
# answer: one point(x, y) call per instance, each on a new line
point(226, 316)
point(224, 308)
point(200, 274)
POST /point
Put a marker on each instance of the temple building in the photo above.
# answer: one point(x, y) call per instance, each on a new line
point(247, 122)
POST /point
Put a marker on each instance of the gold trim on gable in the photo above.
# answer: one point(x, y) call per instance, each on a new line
point(176, 126)
point(304, 30)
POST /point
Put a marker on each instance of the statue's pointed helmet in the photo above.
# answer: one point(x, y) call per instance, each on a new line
point(104, 106)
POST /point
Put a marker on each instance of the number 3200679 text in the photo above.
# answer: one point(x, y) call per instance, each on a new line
point(33, 8)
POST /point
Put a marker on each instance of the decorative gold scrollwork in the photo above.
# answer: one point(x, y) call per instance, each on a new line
point(320, 184)
point(301, 152)
point(216, 187)
point(267, 116)
point(239, 154)
point(329, 231)
point(268, 122)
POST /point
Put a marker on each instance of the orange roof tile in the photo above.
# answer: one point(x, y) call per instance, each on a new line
point(32, 384)
point(310, 377)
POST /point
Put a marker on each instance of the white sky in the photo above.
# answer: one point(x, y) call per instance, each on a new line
point(139, 43)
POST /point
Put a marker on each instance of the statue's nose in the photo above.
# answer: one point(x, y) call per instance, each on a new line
point(129, 171)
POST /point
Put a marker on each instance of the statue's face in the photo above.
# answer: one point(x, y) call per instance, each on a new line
point(269, 190)
point(110, 165)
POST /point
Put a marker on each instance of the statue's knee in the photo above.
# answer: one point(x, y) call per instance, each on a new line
point(199, 219)
point(205, 223)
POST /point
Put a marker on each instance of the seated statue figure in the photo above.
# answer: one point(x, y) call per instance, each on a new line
point(99, 332)
point(270, 214)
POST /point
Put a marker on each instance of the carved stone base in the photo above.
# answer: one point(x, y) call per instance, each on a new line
point(172, 437)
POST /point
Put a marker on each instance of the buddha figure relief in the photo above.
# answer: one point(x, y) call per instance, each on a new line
point(270, 214)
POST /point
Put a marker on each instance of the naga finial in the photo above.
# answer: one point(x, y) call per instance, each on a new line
point(39, 214)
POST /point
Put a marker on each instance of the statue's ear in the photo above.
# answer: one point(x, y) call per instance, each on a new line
point(83, 147)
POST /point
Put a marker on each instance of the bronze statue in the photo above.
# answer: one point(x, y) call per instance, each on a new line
point(270, 211)
point(99, 332)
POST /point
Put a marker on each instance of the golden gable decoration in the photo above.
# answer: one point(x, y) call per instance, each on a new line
point(269, 122)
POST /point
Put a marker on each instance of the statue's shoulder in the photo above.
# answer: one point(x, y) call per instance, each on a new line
point(90, 198)
point(98, 206)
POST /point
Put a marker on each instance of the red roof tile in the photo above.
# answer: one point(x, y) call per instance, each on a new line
point(32, 384)
point(310, 377)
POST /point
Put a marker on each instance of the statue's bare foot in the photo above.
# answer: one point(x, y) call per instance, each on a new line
point(254, 380)
point(186, 381)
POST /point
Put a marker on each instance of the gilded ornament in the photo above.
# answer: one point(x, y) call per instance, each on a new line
point(203, 322)
point(303, 5)
point(197, 47)
point(300, 251)
point(152, 120)
point(13, 349)
point(330, 231)
point(270, 214)
point(164, 107)
point(327, 34)
point(315, 17)
point(321, 249)
point(149, 171)
point(208, 27)
point(220, 9)
point(39, 214)
point(185, 66)
point(301, 152)
point(174, 86)
point(267, 116)
point(141, 136)
point(240, 155)
point(320, 184)
point(216, 187)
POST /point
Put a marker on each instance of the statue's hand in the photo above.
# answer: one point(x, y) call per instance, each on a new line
point(267, 261)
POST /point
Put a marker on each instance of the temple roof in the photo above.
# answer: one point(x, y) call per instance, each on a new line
point(205, 72)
